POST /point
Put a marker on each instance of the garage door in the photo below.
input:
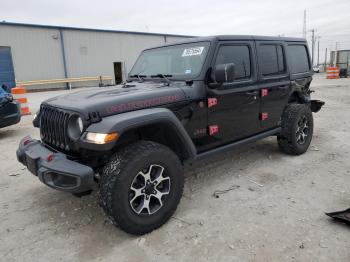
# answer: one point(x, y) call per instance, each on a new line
point(7, 74)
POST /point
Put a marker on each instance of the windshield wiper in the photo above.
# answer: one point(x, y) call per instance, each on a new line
point(165, 77)
point(140, 77)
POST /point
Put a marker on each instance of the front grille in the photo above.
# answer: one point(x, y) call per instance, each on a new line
point(54, 126)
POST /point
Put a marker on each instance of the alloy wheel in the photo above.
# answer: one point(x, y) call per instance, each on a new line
point(149, 190)
point(303, 130)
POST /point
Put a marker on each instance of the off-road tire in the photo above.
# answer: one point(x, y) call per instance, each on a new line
point(118, 175)
point(288, 140)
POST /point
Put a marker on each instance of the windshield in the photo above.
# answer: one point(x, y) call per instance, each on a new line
point(178, 61)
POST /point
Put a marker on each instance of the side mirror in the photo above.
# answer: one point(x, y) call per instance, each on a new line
point(224, 73)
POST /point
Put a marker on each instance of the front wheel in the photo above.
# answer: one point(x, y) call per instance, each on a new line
point(141, 186)
point(297, 129)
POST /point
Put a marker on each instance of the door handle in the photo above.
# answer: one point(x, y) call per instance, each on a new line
point(283, 87)
point(254, 93)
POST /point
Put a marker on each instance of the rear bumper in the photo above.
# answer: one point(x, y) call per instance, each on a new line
point(57, 171)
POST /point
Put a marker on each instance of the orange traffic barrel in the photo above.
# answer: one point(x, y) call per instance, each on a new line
point(332, 72)
point(19, 94)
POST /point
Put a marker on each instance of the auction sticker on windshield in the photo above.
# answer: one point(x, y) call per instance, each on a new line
point(193, 51)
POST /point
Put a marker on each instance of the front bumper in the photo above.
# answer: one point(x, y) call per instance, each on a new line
point(54, 169)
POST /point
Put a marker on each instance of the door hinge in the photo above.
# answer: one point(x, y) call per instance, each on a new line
point(264, 92)
point(213, 129)
point(212, 102)
point(264, 116)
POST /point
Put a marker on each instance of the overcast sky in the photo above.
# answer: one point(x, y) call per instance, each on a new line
point(330, 18)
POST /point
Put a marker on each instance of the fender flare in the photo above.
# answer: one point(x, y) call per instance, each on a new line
point(315, 105)
point(123, 122)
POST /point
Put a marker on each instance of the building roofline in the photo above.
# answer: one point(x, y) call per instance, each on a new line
point(88, 29)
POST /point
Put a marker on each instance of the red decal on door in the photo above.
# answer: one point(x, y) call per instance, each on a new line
point(264, 116)
point(213, 129)
point(264, 92)
point(212, 102)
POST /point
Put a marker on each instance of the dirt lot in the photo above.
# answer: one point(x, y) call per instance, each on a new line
point(276, 213)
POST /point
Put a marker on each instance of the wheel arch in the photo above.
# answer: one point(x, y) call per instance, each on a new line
point(156, 124)
point(300, 98)
point(296, 97)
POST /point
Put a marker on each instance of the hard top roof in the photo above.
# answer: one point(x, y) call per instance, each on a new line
point(233, 38)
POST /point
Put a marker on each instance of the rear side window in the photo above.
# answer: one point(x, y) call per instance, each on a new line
point(298, 59)
point(237, 54)
point(271, 59)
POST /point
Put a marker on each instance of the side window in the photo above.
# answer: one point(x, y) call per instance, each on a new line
point(281, 63)
point(237, 54)
point(298, 59)
point(271, 59)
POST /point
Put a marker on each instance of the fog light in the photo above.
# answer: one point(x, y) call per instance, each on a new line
point(99, 138)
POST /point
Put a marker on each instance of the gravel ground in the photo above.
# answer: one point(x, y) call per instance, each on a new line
point(275, 211)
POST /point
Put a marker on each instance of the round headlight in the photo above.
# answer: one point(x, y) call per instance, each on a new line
point(75, 127)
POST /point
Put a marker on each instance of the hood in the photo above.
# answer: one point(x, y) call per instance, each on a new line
point(118, 99)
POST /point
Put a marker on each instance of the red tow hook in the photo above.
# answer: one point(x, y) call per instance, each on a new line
point(49, 157)
point(26, 141)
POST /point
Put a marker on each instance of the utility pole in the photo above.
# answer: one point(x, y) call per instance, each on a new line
point(304, 25)
point(325, 60)
point(312, 46)
point(335, 54)
point(318, 50)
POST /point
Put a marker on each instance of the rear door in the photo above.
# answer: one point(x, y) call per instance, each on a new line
point(274, 82)
point(234, 107)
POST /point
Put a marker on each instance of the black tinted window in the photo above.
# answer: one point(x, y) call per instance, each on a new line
point(271, 59)
point(239, 55)
point(298, 59)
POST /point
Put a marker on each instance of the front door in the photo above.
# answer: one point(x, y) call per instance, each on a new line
point(233, 108)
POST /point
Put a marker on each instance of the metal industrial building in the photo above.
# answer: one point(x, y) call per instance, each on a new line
point(41, 56)
point(341, 59)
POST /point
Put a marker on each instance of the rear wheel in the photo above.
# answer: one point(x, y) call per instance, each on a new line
point(141, 186)
point(297, 129)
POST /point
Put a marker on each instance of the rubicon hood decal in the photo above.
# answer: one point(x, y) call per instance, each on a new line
point(145, 103)
point(113, 100)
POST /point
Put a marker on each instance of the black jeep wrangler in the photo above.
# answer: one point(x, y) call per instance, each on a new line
point(182, 102)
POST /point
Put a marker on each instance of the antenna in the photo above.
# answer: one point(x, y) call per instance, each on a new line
point(304, 25)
